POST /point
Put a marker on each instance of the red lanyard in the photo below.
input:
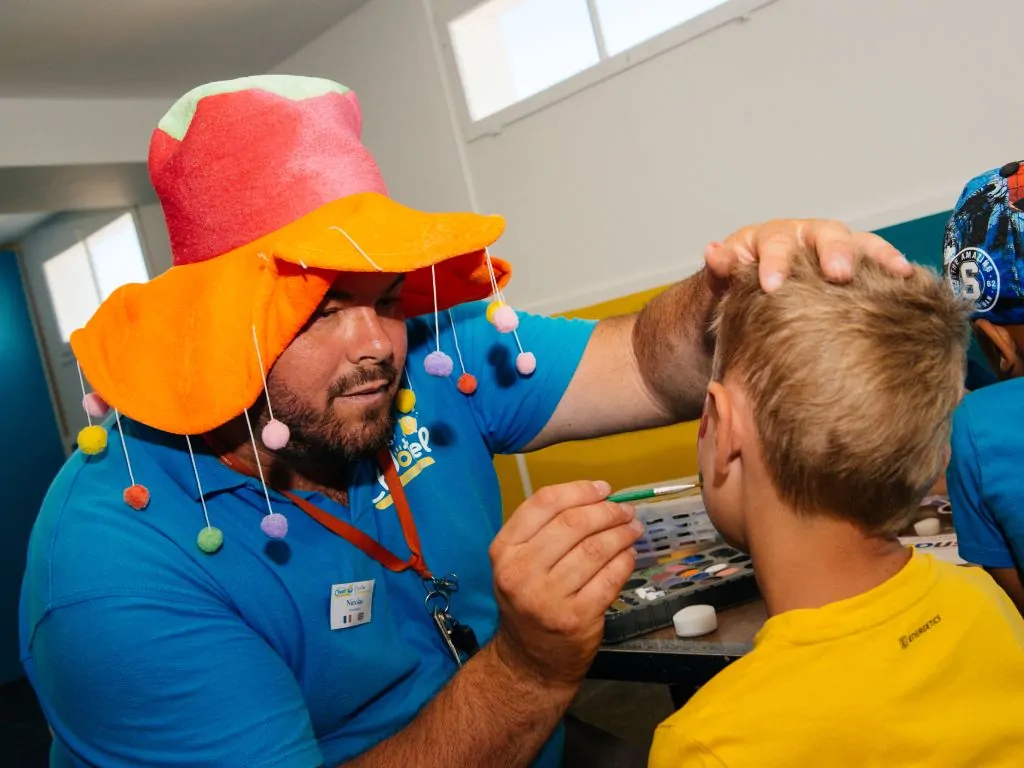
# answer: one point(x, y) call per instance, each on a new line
point(357, 538)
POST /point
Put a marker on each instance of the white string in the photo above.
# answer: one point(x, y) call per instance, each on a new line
point(356, 246)
point(81, 380)
point(263, 375)
point(259, 465)
point(124, 445)
point(437, 322)
point(456, 337)
point(515, 334)
point(490, 273)
point(199, 485)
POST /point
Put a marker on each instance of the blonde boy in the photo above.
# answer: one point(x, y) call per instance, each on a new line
point(827, 420)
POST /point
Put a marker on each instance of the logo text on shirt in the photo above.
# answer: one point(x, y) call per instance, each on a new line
point(906, 640)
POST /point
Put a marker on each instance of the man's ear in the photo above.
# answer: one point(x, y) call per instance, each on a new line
point(722, 413)
point(999, 345)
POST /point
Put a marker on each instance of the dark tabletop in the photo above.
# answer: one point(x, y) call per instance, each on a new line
point(662, 657)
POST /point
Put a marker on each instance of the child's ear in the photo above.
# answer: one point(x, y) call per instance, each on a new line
point(721, 412)
point(1000, 347)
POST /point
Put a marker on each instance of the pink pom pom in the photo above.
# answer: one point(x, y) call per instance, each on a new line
point(466, 384)
point(95, 406)
point(526, 363)
point(275, 435)
point(505, 319)
point(137, 497)
point(438, 364)
point(275, 525)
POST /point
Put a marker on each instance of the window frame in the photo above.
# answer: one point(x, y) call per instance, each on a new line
point(444, 11)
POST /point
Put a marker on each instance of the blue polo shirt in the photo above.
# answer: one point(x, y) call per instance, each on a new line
point(145, 651)
point(985, 481)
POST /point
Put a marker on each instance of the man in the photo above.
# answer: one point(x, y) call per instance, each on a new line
point(341, 637)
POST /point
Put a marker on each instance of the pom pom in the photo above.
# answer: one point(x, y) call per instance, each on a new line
point(137, 497)
point(275, 525)
point(493, 307)
point(210, 540)
point(526, 363)
point(467, 384)
point(405, 401)
point(92, 440)
point(95, 406)
point(438, 364)
point(505, 319)
point(275, 435)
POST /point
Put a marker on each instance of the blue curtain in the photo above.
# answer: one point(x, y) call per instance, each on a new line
point(31, 454)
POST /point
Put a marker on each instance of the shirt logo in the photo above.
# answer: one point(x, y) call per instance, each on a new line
point(906, 640)
point(973, 275)
point(411, 453)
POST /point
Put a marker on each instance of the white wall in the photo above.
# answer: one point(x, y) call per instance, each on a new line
point(870, 111)
point(77, 131)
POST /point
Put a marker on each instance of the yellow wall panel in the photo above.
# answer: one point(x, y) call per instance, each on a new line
point(622, 460)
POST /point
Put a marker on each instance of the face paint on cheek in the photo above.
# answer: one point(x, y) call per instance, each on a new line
point(703, 422)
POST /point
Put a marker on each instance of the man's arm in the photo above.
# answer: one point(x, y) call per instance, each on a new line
point(639, 371)
point(651, 369)
point(558, 563)
point(490, 714)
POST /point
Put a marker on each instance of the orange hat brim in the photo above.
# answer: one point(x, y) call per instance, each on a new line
point(177, 353)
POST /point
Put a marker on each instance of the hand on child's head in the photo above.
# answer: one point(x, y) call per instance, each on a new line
point(773, 244)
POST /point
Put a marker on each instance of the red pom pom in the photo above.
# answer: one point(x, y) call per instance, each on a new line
point(466, 384)
point(137, 497)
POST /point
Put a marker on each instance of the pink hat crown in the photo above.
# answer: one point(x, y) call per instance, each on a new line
point(236, 160)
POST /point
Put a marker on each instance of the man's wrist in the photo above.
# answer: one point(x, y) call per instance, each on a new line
point(529, 683)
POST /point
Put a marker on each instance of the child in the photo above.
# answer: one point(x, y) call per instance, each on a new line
point(826, 422)
point(984, 256)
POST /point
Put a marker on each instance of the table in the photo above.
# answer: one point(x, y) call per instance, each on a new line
point(684, 664)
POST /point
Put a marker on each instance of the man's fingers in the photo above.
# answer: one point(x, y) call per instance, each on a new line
point(835, 246)
point(543, 506)
point(592, 554)
point(602, 589)
point(571, 528)
point(880, 250)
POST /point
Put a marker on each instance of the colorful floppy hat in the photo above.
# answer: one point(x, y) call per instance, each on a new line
point(268, 193)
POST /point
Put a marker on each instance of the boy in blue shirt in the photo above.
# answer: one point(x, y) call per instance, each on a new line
point(983, 261)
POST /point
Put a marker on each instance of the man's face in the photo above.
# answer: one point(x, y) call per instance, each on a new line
point(335, 383)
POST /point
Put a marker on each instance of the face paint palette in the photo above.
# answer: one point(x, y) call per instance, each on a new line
point(719, 576)
point(671, 524)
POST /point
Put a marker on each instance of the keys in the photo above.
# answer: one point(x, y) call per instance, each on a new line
point(464, 638)
point(443, 621)
point(460, 639)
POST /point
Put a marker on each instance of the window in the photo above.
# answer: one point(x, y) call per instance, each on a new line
point(508, 50)
point(83, 276)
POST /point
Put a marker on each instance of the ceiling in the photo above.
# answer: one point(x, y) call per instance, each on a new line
point(149, 48)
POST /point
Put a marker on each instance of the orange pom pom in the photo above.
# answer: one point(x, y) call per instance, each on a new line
point(137, 497)
point(466, 384)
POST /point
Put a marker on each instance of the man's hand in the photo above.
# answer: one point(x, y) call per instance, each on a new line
point(773, 244)
point(559, 562)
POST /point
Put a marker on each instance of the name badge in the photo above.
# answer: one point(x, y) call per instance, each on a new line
point(351, 604)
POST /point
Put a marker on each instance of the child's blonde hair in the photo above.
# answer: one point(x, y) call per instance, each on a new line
point(852, 386)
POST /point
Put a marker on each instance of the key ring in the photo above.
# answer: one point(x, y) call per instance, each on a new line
point(430, 604)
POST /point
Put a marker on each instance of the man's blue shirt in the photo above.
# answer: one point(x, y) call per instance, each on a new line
point(145, 651)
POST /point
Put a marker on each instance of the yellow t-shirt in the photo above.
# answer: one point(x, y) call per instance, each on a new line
point(926, 669)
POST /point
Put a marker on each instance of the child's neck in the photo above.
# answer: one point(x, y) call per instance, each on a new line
point(809, 562)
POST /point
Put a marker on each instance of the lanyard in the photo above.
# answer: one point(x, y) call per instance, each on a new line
point(459, 638)
point(364, 543)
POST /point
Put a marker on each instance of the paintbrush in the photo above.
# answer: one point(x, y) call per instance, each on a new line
point(651, 493)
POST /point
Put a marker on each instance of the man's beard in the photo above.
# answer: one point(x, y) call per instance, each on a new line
point(322, 436)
